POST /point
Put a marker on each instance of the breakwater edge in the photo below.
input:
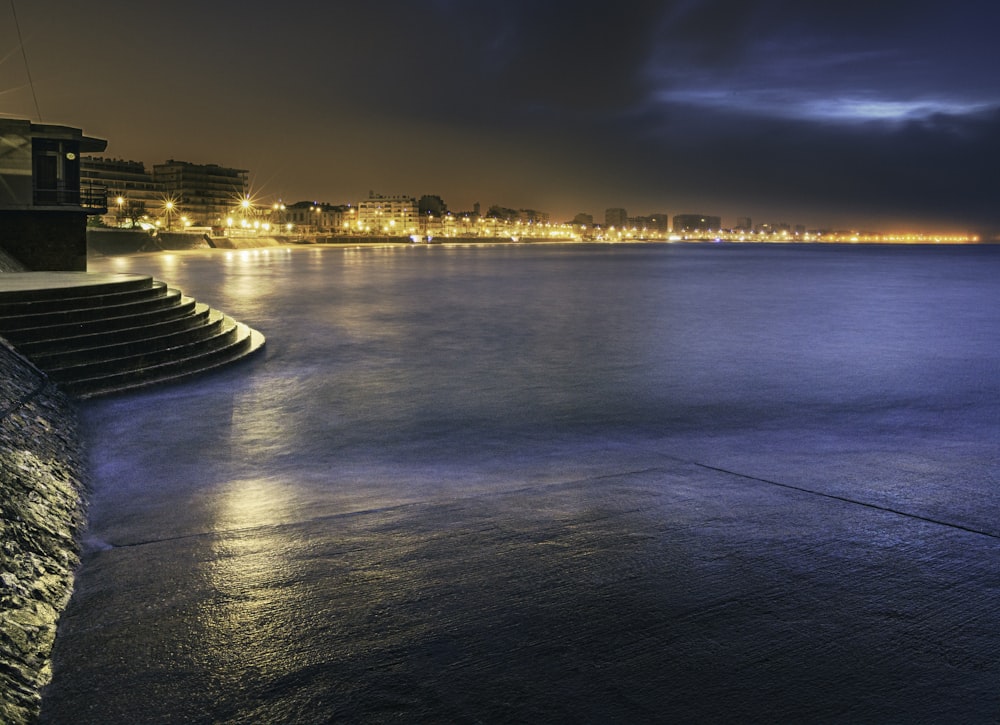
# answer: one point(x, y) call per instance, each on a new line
point(42, 514)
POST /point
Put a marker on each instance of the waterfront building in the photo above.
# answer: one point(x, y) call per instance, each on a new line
point(43, 206)
point(532, 216)
point(696, 223)
point(776, 228)
point(654, 224)
point(743, 224)
point(391, 215)
point(432, 204)
point(312, 217)
point(584, 219)
point(617, 218)
point(132, 192)
point(207, 194)
point(503, 213)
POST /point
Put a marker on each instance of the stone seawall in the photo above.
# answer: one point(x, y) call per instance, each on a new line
point(42, 481)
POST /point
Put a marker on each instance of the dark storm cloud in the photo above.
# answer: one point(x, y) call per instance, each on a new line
point(939, 167)
point(557, 53)
point(888, 107)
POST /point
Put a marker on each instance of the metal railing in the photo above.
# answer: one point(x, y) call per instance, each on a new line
point(92, 196)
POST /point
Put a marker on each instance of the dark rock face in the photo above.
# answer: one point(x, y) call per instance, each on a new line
point(41, 516)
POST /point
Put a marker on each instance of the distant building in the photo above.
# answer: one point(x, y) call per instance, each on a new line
point(43, 205)
point(311, 217)
point(503, 213)
point(696, 223)
point(392, 215)
point(774, 228)
point(581, 218)
point(432, 204)
point(655, 224)
point(532, 216)
point(206, 193)
point(617, 218)
point(743, 224)
point(131, 188)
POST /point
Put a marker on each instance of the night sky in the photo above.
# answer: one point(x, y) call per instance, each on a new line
point(874, 115)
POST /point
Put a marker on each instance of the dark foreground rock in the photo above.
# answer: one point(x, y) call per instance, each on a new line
point(41, 514)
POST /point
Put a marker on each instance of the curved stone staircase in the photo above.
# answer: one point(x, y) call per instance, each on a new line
point(100, 334)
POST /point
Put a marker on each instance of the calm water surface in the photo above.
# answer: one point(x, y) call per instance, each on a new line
point(554, 484)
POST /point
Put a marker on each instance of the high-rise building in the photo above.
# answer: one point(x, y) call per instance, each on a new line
point(393, 215)
point(206, 193)
point(131, 188)
point(655, 224)
point(617, 218)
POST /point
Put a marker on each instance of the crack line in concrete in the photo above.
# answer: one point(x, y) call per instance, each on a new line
point(845, 499)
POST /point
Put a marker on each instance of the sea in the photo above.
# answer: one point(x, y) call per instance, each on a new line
point(553, 483)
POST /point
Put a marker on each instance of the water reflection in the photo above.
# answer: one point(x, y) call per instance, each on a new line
point(251, 503)
point(450, 492)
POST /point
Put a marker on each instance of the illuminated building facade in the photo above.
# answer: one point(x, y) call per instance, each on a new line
point(206, 193)
point(131, 188)
point(392, 215)
point(316, 217)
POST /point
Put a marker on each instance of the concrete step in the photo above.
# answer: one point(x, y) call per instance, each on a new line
point(191, 344)
point(100, 334)
point(82, 298)
point(91, 349)
point(38, 286)
point(245, 342)
point(159, 300)
point(181, 307)
point(57, 346)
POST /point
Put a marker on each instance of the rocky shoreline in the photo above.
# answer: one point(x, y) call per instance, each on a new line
point(42, 515)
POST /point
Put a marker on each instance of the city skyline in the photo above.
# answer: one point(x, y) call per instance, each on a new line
point(880, 118)
point(157, 203)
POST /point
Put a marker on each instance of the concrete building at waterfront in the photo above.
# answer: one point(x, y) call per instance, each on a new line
point(311, 217)
point(204, 193)
point(655, 224)
point(382, 214)
point(43, 205)
point(696, 223)
point(132, 191)
point(617, 218)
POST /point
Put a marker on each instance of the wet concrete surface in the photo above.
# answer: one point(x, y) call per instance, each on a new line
point(283, 543)
point(672, 594)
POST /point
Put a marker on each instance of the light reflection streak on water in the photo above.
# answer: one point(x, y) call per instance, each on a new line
point(251, 564)
point(245, 572)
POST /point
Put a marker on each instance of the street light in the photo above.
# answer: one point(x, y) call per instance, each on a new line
point(168, 207)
